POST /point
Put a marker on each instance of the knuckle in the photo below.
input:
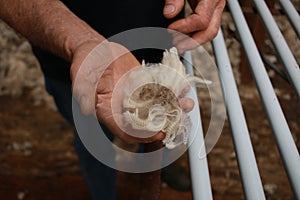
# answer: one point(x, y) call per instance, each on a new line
point(213, 32)
point(205, 21)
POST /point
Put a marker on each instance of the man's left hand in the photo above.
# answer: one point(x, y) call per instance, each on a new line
point(201, 26)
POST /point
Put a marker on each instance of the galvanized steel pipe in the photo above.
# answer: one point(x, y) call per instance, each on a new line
point(280, 44)
point(199, 168)
point(292, 14)
point(245, 155)
point(283, 136)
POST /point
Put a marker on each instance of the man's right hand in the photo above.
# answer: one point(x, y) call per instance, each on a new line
point(95, 70)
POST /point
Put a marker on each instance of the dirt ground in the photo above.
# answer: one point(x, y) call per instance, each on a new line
point(37, 159)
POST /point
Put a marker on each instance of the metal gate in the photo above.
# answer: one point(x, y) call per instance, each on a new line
point(251, 181)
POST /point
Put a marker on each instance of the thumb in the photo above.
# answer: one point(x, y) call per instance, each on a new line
point(187, 104)
point(172, 8)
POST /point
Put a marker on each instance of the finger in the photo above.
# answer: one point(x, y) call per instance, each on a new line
point(203, 36)
point(172, 8)
point(105, 83)
point(179, 38)
point(106, 117)
point(199, 20)
point(157, 137)
point(131, 139)
point(185, 90)
point(186, 44)
point(187, 104)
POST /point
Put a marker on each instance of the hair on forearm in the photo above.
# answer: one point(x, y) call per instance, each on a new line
point(48, 24)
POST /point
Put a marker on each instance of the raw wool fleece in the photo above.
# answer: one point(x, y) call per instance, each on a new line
point(152, 104)
point(19, 69)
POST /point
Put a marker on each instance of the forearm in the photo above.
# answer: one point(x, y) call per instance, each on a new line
point(48, 24)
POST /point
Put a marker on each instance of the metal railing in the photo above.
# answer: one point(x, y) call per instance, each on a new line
point(251, 180)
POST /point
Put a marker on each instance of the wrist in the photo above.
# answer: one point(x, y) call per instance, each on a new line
point(81, 40)
point(79, 52)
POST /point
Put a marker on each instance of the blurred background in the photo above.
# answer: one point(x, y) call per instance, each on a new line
point(37, 160)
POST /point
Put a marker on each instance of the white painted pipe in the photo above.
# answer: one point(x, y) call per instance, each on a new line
point(283, 136)
point(252, 185)
point(286, 56)
point(199, 168)
point(292, 14)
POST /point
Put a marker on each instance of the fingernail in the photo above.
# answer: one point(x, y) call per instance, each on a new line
point(169, 9)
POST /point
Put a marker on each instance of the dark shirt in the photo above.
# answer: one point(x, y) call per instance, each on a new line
point(109, 17)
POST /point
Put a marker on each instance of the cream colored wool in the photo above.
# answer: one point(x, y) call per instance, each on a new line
point(151, 103)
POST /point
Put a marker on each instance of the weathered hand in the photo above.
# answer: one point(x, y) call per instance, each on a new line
point(110, 61)
point(125, 62)
point(95, 71)
point(202, 25)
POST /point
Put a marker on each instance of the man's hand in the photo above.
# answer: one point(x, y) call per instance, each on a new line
point(202, 25)
point(96, 68)
point(124, 62)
